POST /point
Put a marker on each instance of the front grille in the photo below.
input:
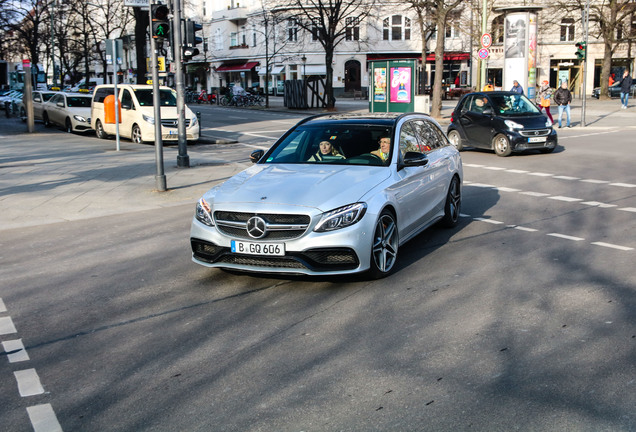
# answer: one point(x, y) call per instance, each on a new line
point(333, 257)
point(173, 123)
point(535, 133)
point(278, 226)
point(265, 262)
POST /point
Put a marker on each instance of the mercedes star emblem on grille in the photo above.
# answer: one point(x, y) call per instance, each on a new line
point(256, 227)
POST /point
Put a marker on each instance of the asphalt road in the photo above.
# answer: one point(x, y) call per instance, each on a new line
point(521, 318)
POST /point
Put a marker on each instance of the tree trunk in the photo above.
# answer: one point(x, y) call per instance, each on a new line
point(331, 100)
point(436, 103)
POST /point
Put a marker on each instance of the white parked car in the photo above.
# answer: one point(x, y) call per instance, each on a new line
point(69, 110)
point(39, 97)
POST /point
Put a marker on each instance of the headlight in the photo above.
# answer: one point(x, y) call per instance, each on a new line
point(513, 125)
point(149, 119)
point(203, 213)
point(548, 123)
point(341, 217)
point(193, 122)
point(80, 118)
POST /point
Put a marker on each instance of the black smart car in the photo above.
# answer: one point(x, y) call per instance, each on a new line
point(503, 121)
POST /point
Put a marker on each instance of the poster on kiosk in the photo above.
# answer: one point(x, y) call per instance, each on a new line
point(393, 86)
point(520, 51)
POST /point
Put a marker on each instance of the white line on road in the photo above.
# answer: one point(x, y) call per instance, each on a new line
point(535, 194)
point(567, 178)
point(491, 221)
point(506, 189)
point(43, 418)
point(566, 237)
point(260, 136)
point(613, 246)
point(594, 181)
point(517, 171)
point(625, 185)
point(540, 174)
point(6, 326)
point(15, 351)
point(520, 228)
point(28, 382)
point(598, 204)
point(628, 209)
point(564, 198)
point(492, 168)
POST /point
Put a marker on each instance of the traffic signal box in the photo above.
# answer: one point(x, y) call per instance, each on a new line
point(580, 50)
point(160, 23)
point(191, 39)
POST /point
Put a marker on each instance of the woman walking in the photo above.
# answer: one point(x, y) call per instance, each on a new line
point(544, 96)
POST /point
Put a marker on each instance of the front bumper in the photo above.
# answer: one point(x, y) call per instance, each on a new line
point(522, 140)
point(343, 251)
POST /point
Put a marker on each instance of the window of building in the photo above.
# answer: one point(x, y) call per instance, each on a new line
point(452, 30)
point(567, 29)
point(218, 39)
point(233, 39)
point(352, 28)
point(292, 30)
point(498, 29)
point(396, 28)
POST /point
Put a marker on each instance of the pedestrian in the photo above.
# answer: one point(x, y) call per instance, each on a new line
point(626, 86)
point(563, 97)
point(516, 87)
point(544, 96)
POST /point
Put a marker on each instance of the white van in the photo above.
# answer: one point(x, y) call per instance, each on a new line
point(137, 120)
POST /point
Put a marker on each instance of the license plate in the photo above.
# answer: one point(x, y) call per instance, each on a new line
point(537, 139)
point(252, 248)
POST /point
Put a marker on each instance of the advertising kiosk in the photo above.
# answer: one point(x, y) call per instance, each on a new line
point(393, 84)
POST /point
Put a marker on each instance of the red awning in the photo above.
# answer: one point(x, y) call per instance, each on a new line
point(242, 67)
point(449, 57)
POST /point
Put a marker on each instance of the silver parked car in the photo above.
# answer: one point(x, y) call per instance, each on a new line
point(39, 97)
point(333, 195)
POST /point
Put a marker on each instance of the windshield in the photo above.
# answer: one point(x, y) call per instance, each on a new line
point(336, 143)
point(513, 105)
point(78, 101)
point(167, 97)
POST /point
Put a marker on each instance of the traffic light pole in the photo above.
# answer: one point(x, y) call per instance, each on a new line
point(160, 176)
point(586, 24)
point(183, 160)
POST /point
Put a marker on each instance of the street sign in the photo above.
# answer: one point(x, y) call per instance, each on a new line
point(483, 53)
point(137, 3)
point(486, 40)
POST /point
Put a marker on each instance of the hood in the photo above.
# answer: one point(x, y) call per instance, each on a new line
point(323, 187)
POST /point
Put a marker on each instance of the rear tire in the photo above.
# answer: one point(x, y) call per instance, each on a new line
point(453, 205)
point(384, 249)
point(68, 126)
point(501, 145)
point(456, 140)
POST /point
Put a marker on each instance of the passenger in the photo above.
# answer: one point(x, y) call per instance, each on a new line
point(384, 150)
point(326, 151)
point(480, 104)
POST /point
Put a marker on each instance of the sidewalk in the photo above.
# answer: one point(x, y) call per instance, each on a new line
point(51, 176)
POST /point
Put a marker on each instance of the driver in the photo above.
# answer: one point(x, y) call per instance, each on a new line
point(384, 150)
point(326, 151)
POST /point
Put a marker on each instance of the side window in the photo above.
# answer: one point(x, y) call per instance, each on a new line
point(408, 140)
point(477, 104)
point(429, 140)
point(101, 94)
point(57, 98)
point(126, 100)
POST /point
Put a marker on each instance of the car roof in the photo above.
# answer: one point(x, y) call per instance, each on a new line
point(389, 118)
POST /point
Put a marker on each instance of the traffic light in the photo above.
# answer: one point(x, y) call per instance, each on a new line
point(160, 23)
point(191, 39)
point(580, 50)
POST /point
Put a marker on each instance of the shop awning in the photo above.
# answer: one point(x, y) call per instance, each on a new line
point(241, 67)
point(276, 70)
point(449, 57)
point(314, 69)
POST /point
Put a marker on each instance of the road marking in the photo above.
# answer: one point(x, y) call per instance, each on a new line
point(625, 185)
point(482, 185)
point(506, 189)
point(628, 209)
point(564, 198)
point(535, 194)
point(567, 178)
point(567, 237)
point(595, 181)
point(43, 418)
point(15, 351)
point(6, 326)
point(3, 308)
point(517, 171)
point(520, 228)
point(598, 204)
point(492, 168)
point(540, 174)
point(491, 221)
point(28, 382)
point(613, 246)
point(259, 136)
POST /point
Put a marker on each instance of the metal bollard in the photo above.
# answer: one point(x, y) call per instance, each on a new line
point(198, 114)
point(7, 108)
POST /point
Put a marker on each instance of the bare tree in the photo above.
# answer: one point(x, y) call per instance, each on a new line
point(610, 21)
point(25, 25)
point(325, 19)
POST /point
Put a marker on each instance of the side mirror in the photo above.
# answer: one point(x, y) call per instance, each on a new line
point(488, 111)
point(60, 104)
point(412, 159)
point(256, 155)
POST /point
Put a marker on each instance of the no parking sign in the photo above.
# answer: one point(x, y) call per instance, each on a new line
point(483, 53)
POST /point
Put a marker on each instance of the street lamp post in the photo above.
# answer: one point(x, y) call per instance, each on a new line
point(304, 60)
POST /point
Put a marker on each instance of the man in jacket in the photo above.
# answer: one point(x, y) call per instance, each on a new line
point(563, 97)
point(626, 85)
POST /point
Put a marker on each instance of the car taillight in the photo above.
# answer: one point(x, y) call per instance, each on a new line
point(453, 116)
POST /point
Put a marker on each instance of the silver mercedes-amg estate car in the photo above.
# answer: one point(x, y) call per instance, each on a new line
point(335, 194)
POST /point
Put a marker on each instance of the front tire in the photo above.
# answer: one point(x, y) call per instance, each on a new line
point(68, 126)
point(456, 140)
point(384, 250)
point(23, 115)
point(501, 145)
point(45, 119)
point(99, 130)
point(135, 136)
point(453, 205)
